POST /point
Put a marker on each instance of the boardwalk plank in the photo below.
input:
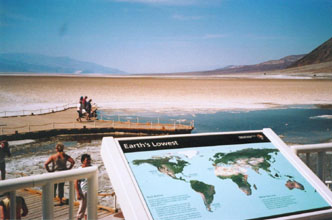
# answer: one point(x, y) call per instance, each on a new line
point(34, 203)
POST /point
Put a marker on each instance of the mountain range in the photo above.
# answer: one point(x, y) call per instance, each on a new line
point(318, 60)
point(320, 55)
point(265, 66)
point(36, 63)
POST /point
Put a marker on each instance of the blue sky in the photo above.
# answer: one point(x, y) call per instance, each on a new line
point(153, 36)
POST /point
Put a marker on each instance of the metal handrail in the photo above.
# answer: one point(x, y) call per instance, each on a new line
point(36, 111)
point(321, 150)
point(46, 181)
point(312, 147)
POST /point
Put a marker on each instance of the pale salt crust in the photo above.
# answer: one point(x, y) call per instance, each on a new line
point(322, 117)
point(12, 110)
point(162, 94)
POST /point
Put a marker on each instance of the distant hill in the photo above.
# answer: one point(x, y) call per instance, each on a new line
point(319, 60)
point(321, 54)
point(36, 63)
point(261, 67)
point(325, 67)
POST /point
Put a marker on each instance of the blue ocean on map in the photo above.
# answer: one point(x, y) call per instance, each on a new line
point(269, 194)
point(304, 124)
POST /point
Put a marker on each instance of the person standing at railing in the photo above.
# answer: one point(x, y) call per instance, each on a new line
point(79, 111)
point(85, 100)
point(4, 151)
point(59, 163)
point(88, 107)
point(81, 187)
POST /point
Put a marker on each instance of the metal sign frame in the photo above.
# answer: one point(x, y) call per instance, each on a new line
point(132, 201)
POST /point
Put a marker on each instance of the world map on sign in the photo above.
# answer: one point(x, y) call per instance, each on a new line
point(211, 181)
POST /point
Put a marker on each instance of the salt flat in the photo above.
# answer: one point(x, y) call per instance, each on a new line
point(161, 93)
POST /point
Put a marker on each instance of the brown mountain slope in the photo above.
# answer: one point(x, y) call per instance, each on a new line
point(325, 67)
point(321, 54)
point(261, 67)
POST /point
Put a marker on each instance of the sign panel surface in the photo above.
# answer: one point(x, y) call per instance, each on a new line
point(220, 176)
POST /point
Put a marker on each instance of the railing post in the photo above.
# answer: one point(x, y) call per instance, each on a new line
point(47, 197)
point(115, 208)
point(320, 165)
point(307, 158)
point(46, 181)
point(92, 195)
point(71, 199)
point(13, 205)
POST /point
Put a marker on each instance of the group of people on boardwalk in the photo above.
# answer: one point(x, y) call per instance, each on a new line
point(56, 162)
point(84, 108)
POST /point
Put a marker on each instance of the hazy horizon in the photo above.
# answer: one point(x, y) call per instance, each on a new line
point(163, 36)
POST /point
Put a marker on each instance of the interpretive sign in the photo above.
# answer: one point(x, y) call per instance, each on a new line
point(238, 175)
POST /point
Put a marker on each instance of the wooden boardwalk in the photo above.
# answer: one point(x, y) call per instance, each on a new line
point(64, 122)
point(34, 202)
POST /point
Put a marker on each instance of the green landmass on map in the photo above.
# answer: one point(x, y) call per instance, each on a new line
point(164, 165)
point(241, 181)
point(207, 192)
point(234, 166)
point(247, 154)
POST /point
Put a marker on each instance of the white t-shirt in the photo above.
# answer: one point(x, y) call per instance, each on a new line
point(84, 185)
